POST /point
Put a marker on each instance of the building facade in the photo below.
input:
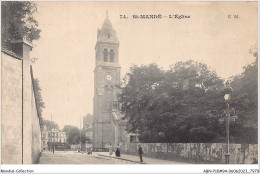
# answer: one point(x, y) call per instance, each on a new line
point(108, 128)
point(87, 121)
point(51, 136)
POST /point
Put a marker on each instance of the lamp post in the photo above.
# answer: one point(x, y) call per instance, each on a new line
point(227, 97)
point(80, 133)
point(53, 141)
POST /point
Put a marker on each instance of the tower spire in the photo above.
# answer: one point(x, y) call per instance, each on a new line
point(107, 34)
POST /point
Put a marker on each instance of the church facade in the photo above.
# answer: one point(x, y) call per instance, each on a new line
point(108, 128)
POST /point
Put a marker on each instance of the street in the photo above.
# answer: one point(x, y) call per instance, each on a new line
point(71, 157)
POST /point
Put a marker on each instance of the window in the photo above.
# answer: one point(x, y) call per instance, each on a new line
point(115, 105)
point(105, 55)
point(112, 54)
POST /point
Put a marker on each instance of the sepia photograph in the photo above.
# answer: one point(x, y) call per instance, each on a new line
point(129, 83)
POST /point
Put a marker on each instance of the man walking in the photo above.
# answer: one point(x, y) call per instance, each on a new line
point(140, 151)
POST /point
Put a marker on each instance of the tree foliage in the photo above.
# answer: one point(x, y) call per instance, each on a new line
point(183, 104)
point(50, 125)
point(39, 102)
point(245, 99)
point(18, 20)
point(73, 135)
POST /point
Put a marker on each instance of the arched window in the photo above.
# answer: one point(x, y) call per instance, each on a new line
point(112, 55)
point(105, 55)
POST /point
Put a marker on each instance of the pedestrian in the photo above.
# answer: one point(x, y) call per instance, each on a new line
point(110, 149)
point(140, 152)
point(118, 151)
point(90, 151)
point(53, 148)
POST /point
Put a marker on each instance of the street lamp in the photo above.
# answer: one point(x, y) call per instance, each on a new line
point(227, 98)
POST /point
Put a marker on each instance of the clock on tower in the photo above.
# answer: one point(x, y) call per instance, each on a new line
point(109, 77)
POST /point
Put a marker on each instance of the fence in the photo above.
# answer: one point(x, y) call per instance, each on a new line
point(212, 153)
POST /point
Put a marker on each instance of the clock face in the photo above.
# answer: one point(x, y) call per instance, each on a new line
point(109, 77)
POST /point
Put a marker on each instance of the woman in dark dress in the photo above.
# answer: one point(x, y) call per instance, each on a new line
point(117, 151)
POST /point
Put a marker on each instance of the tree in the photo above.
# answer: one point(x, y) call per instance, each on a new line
point(39, 102)
point(178, 104)
point(18, 21)
point(50, 125)
point(73, 134)
point(194, 104)
point(245, 99)
point(138, 90)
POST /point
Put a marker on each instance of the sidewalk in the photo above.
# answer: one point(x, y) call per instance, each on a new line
point(136, 159)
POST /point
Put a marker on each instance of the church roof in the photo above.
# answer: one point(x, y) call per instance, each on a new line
point(107, 33)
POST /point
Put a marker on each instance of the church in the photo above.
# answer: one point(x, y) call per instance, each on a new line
point(108, 128)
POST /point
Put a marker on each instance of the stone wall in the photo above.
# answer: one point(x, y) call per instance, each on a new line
point(204, 153)
point(11, 113)
point(21, 133)
point(36, 130)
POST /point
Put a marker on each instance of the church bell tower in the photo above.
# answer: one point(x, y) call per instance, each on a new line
point(106, 80)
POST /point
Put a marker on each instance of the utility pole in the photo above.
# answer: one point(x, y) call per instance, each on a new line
point(80, 132)
point(54, 141)
point(227, 135)
point(102, 135)
point(52, 136)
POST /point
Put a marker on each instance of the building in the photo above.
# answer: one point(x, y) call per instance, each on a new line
point(45, 137)
point(61, 137)
point(50, 136)
point(108, 128)
point(89, 131)
point(87, 121)
point(88, 126)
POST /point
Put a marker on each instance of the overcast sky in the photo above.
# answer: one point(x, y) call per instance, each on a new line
point(66, 54)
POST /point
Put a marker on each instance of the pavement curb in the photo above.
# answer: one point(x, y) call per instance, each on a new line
point(122, 159)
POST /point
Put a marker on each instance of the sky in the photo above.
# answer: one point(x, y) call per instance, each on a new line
point(66, 50)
